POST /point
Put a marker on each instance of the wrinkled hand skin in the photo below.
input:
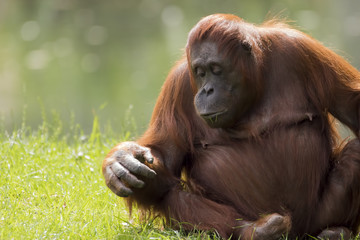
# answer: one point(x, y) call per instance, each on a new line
point(123, 164)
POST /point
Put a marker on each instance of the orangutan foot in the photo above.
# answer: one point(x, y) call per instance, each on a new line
point(335, 233)
point(270, 227)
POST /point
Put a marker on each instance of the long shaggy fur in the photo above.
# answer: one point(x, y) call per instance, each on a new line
point(279, 158)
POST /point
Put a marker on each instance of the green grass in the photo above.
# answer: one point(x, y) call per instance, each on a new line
point(51, 187)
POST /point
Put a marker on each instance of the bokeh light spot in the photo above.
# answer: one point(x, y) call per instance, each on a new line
point(30, 31)
point(37, 59)
point(96, 35)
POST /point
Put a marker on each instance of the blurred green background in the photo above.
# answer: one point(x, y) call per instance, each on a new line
point(84, 58)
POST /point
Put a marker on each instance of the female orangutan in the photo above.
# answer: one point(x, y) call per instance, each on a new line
point(241, 140)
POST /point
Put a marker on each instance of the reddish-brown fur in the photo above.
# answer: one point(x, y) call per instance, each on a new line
point(282, 157)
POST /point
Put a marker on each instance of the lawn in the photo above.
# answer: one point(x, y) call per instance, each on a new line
point(52, 188)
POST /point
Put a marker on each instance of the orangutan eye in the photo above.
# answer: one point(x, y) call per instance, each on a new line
point(199, 72)
point(216, 69)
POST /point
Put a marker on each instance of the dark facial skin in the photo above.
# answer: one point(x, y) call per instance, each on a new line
point(220, 86)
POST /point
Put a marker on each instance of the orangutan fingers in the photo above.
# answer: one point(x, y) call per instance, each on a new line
point(145, 153)
point(135, 166)
point(123, 174)
point(115, 185)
